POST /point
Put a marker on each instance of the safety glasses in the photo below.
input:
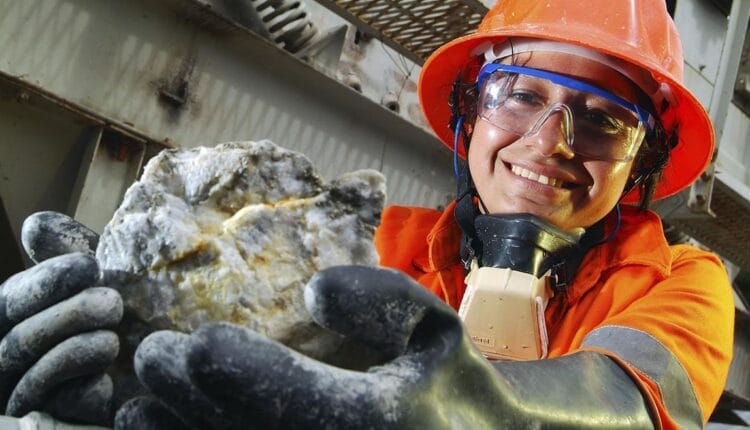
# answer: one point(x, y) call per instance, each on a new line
point(595, 123)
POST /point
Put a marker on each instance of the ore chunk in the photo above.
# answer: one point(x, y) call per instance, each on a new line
point(233, 233)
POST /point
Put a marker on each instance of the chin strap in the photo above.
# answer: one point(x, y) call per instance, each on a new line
point(456, 137)
point(466, 211)
point(567, 265)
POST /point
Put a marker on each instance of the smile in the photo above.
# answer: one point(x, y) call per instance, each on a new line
point(520, 171)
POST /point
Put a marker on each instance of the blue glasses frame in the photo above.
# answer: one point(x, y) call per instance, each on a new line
point(643, 115)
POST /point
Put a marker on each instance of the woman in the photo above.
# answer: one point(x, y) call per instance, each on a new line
point(541, 140)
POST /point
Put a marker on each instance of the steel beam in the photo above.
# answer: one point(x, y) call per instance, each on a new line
point(702, 189)
point(178, 73)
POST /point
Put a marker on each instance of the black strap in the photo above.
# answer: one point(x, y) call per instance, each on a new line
point(465, 213)
point(565, 270)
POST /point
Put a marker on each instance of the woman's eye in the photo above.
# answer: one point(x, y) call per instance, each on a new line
point(524, 97)
point(602, 120)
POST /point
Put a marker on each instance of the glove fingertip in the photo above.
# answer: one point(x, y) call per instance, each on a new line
point(335, 281)
point(157, 350)
point(324, 291)
point(160, 364)
point(223, 354)
point(48, 234)
point(46, 284)
point(80, 355)
point(86, 399)
point(378, 307)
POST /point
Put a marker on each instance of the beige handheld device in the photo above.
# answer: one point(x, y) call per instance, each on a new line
point(503, 312)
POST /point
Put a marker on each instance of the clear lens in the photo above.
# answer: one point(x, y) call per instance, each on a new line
point(594, 126)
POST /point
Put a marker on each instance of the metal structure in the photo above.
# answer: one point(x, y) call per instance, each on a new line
point(89, 91)
point(176, 73)
point(413, 28)
point(714, 210)
point(742, 86)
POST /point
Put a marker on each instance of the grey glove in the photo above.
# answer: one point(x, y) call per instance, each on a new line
point(54, 325)
point(228, 377)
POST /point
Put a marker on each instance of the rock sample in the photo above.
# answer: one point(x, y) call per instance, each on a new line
point(233, 233)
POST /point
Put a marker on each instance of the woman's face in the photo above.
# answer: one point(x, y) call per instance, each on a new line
point(506, 168)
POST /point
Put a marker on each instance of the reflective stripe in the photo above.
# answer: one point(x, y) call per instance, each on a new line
point(648, 355)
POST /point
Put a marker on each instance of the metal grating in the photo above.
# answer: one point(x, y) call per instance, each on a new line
point(414, 28)
point(727, 234)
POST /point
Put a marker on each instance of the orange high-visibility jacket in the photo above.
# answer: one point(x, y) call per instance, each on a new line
point(665, 313)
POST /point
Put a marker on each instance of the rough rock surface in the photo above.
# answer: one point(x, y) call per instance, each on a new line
point(233, 233)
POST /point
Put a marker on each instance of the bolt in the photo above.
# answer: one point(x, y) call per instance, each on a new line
point(390, 100)
point(175, 98)
point(706, 176)
point(700, 199)
point(23, 97)
point(352, 81)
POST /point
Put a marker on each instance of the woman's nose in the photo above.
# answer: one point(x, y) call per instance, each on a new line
point(554, 134)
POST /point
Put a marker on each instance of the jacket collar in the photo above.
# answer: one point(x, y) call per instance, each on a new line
point(639, 242)
point(444, 241)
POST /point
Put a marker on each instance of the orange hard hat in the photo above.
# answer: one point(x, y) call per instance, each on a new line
point(638, 32)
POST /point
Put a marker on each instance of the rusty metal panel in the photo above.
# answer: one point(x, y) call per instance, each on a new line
point(39, 157)
point(415, 28)
point(111, 164)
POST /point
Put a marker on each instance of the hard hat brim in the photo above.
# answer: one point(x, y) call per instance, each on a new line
point(688, 159)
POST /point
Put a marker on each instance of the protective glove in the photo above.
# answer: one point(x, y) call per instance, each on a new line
point(226, 376)
point(55, 344)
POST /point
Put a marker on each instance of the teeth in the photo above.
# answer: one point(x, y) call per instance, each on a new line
point(520, 171)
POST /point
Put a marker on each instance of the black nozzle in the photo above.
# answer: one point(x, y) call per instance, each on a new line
point(523, 242)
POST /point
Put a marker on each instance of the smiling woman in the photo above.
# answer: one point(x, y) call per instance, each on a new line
point(567, 113)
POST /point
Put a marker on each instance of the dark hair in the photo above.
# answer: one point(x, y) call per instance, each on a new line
point(648, 164)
